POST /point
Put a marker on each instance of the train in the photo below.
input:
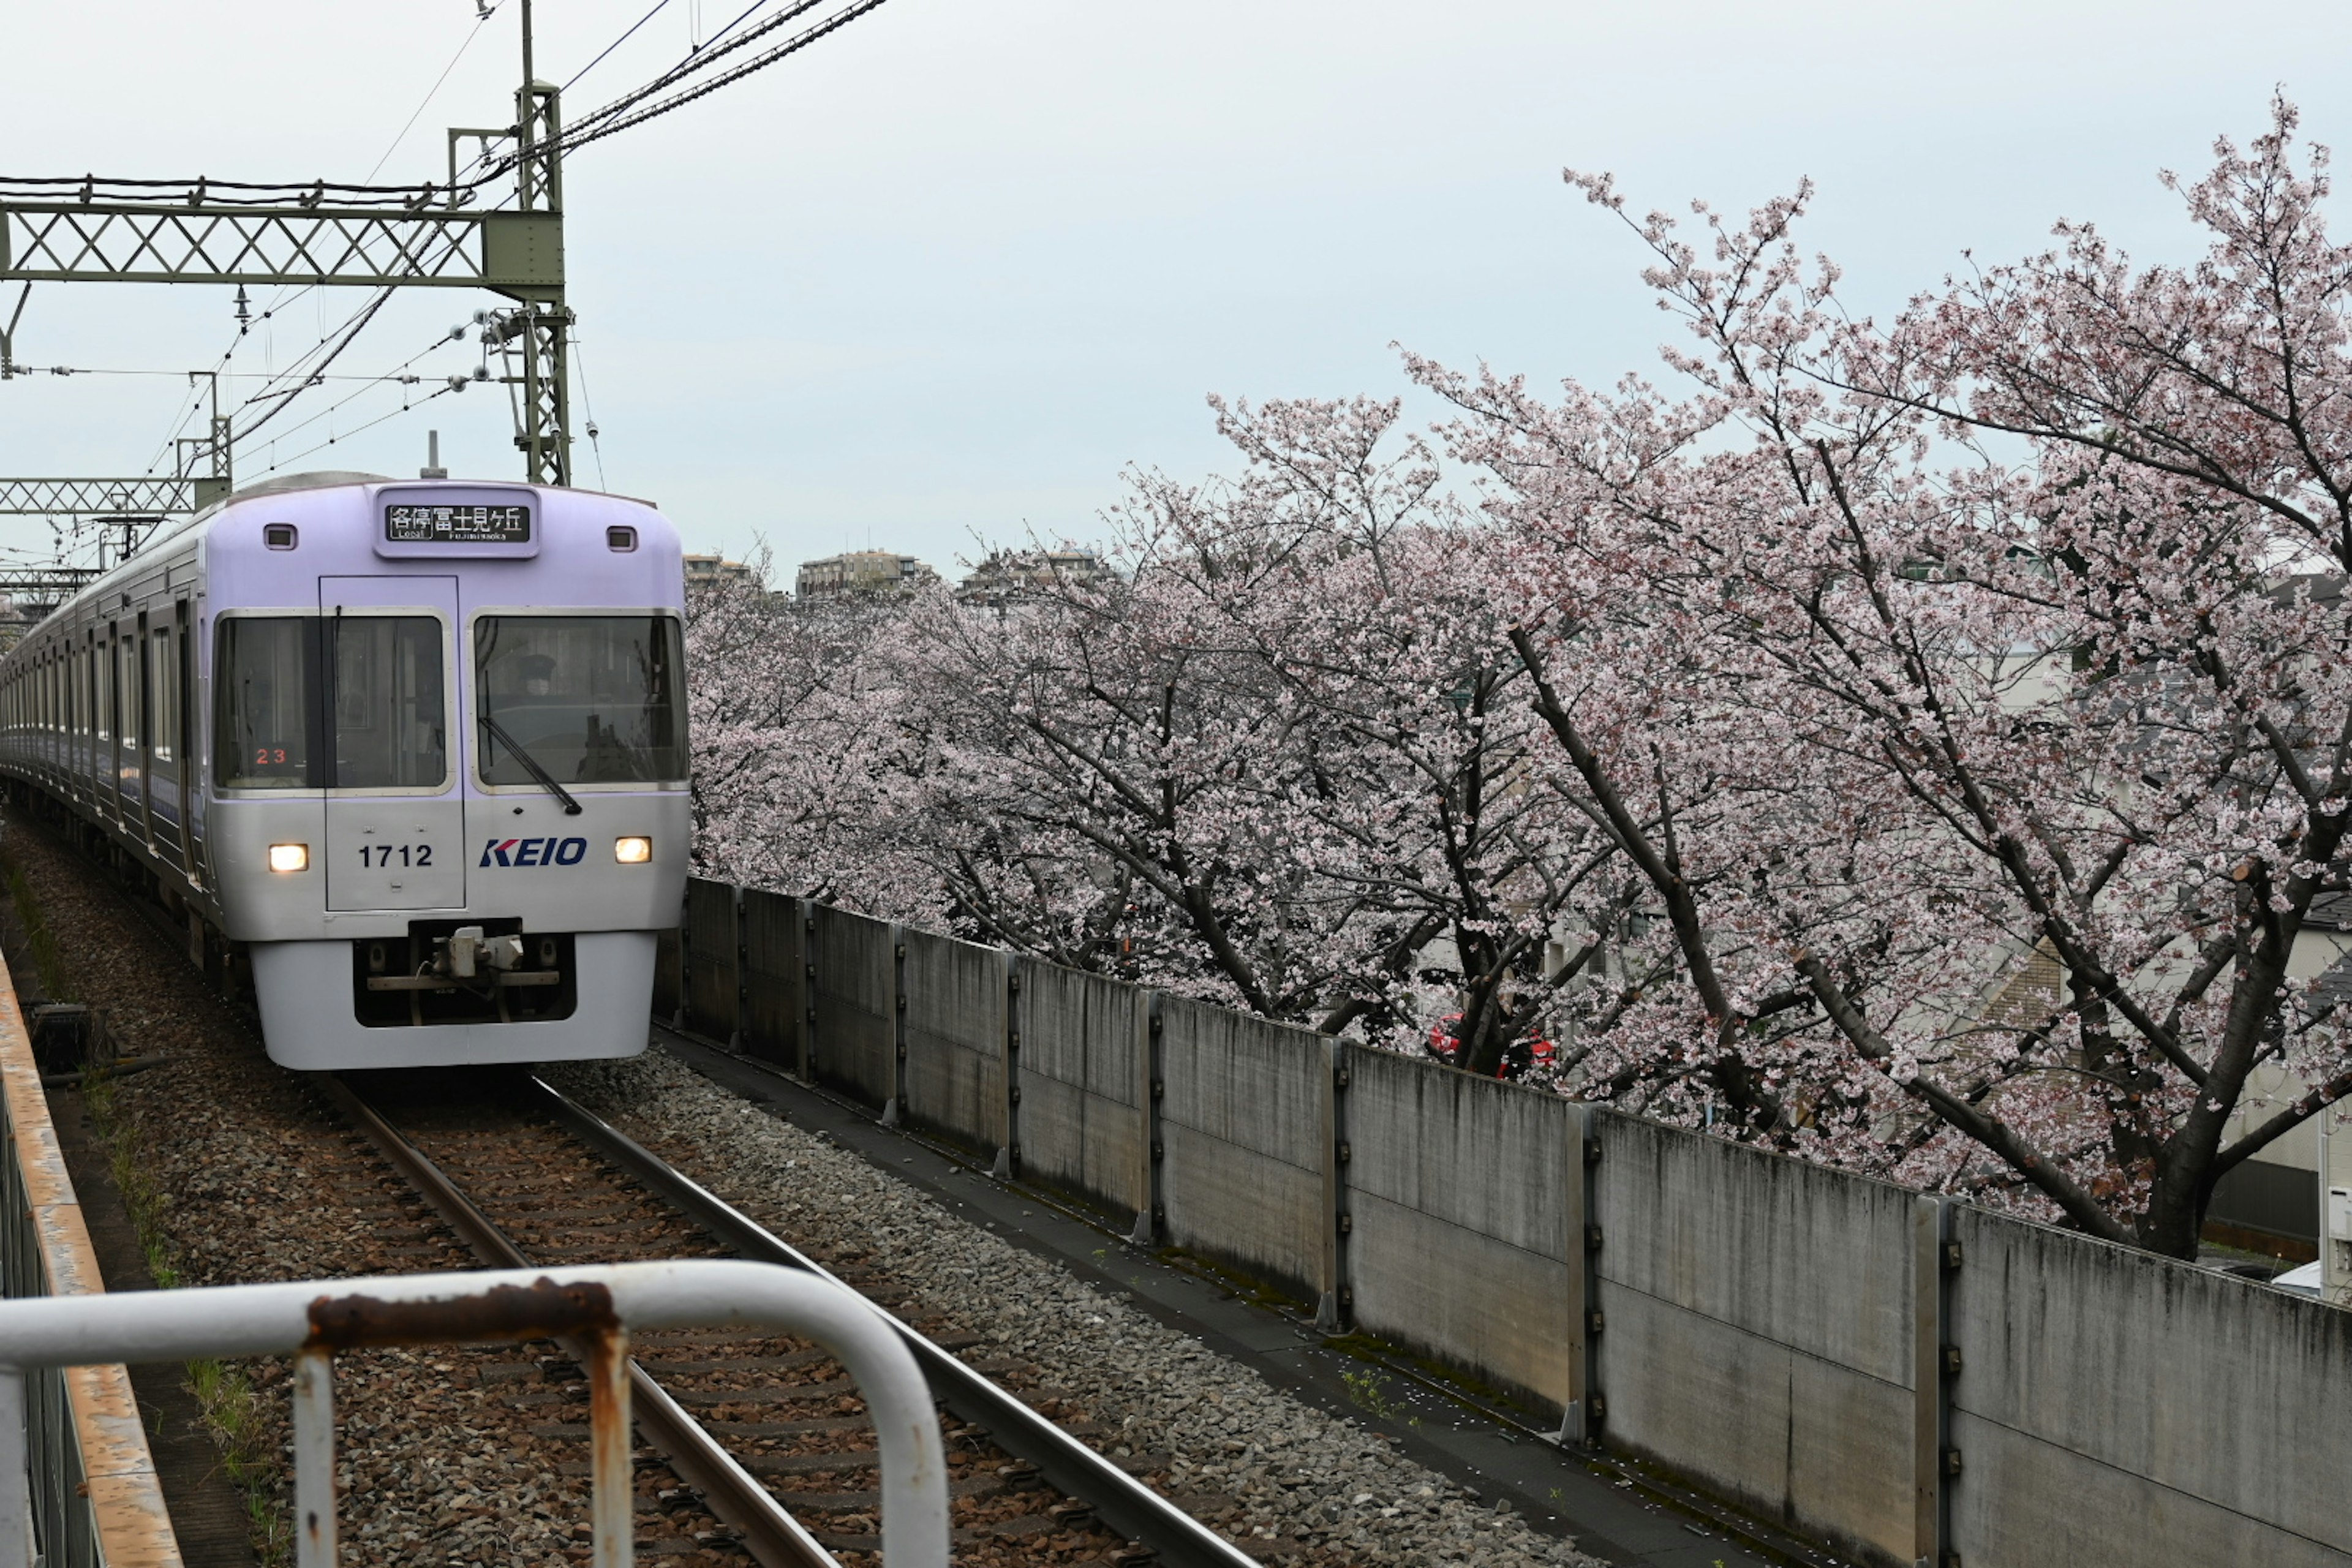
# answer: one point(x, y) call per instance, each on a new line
point(409, 758)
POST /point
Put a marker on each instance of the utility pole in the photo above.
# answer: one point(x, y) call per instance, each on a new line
point(211, 449)
point(94, 231)
point(542, 392)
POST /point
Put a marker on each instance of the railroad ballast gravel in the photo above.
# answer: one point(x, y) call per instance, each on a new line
point(258, 1182)
point(1227, 1432)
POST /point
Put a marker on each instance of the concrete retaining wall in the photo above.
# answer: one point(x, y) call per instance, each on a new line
point(853, 1004)
point(2114, 1407)
point(1780, 1333)
point(1242, 1175)
point(1758, 1328)
point(1080, 1071)
point(956, 1043)
point(1451, 1179)
point(775, 992)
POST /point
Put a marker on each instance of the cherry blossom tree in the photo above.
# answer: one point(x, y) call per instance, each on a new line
point(1916, 746)
point(808, 748)
point(1883, 721)
point(1277, 762)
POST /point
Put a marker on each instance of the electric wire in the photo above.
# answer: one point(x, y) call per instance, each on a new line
point(630, 109)
point(75, 190)
point(343, 336)
point(176, 375)
point(392, 377)
point(586, 127)
point(588, 404)
point(282, 299)
point(357, 429)
point(69, 190)
point(659, 6)
point(430, 92)
point(793, 46)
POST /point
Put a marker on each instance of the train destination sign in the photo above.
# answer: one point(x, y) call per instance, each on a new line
point(408, 522)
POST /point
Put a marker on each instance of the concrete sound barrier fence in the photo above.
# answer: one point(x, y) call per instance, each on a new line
point(853, 1005)
point(1755, 1326)
point(1905, 1377)
point(1081, 1080)
point(954, 1000)
point(1242, 1142)
point(2105, 1396)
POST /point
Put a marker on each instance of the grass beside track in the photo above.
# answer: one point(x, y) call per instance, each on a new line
point(224, 1392)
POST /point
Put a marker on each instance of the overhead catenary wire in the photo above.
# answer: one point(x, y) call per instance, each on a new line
point(659, 6)
point(310, 195)
point(673, 89)
point(279, 463)
point(341, 337)
point(392, 377)
point(791, 46)
point(587, 403)
point(431, 92)
point(702, 57)
point(634, 109)
point(362, 193)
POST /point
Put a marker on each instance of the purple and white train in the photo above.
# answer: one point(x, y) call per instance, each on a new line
point(409, 757)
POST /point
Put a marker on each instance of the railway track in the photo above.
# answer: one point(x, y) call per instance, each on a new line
point(765, 1438)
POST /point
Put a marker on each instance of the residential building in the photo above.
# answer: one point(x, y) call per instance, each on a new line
point(1007, 573)
point(858, 571)
point(710, 571)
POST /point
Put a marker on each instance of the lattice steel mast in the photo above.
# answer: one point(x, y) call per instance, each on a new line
point(94, 231)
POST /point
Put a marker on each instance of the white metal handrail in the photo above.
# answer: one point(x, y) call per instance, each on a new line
point(314, 1319)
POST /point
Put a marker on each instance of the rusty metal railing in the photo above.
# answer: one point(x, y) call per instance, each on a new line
point(313, 1320)
point(77, 1484)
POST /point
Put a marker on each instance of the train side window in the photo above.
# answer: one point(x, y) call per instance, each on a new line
point(264, 718)
point(126, 691)
point(161, 688)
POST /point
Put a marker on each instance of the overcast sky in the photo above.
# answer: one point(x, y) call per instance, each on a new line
point(944, 275)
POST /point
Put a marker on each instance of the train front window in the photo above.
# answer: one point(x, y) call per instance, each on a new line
point(591, 698)
point(264, 713)
point(390, 727)
point(276, 687)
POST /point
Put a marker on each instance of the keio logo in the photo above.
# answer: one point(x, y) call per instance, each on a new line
point(534, 852)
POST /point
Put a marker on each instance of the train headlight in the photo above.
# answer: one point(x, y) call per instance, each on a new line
point(632, 850)
point(290, 856)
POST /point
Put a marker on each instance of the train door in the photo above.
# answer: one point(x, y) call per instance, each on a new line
point(129, 780)
point(102, 763)
point(184, 737)
point(85, 715)
point(138, 719)
point(165, 811)
point(395, 822)
point(101, 722)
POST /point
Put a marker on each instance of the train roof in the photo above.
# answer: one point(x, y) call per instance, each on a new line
point(283, 484)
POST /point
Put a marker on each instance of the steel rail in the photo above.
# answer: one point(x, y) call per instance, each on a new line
point(732, 1493)
point(1123, 1504)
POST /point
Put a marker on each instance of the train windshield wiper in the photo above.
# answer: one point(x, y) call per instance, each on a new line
point(546, 779)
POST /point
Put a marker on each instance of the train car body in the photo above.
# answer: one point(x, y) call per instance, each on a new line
point(409, 757)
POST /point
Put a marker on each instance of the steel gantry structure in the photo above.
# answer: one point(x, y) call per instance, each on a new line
point(94, 230)
point(470, 233)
